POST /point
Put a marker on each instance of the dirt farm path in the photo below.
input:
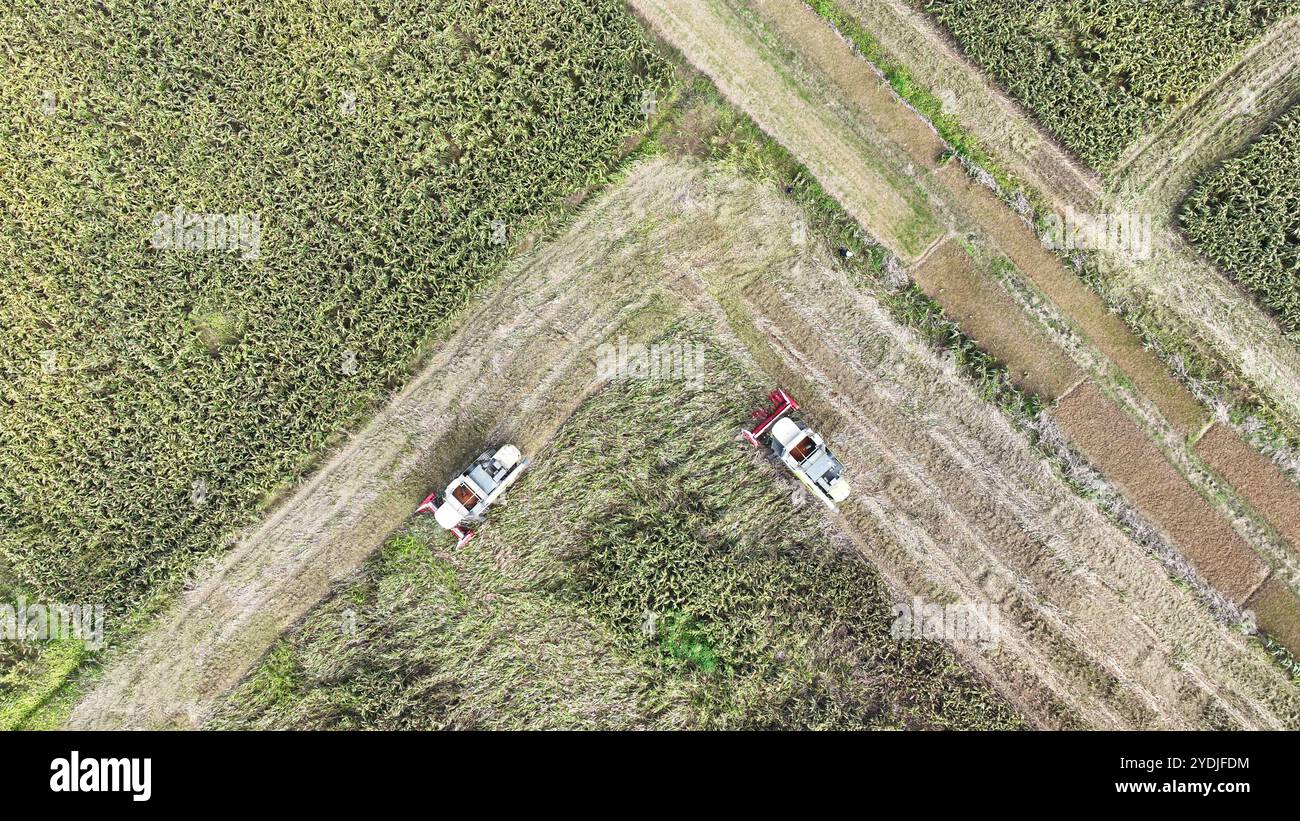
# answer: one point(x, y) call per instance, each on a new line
point(951, 502)
point(741, 47)
point(1158, 170)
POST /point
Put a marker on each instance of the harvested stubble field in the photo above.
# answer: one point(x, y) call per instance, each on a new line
point(806, 54)
point(154, 399)
point(650, 572)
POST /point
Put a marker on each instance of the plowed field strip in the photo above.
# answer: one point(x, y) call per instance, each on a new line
point(1113, 442)
point(991, 318)
point(1259, 481)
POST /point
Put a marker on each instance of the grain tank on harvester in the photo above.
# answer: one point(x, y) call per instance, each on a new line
point(468, 497)
point(800, 449)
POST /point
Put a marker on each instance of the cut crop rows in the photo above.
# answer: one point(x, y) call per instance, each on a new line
point(649, 572)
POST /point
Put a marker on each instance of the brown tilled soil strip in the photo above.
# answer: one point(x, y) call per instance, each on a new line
point(1257, 479)
point(990, 317)
point(1112, 441)
point(1277, 611)
point(1089, 313)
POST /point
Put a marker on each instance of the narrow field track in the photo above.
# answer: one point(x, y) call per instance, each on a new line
point(1003, 126)
point(1159, 170)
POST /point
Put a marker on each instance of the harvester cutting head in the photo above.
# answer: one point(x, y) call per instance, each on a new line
point(800, 449)
point(781, 405)
point(470, 494)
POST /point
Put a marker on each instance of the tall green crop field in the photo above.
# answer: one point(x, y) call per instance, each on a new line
point(226, 229)
point(1100, 73)
point(1245, 215)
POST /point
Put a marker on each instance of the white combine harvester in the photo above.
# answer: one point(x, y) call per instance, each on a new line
point(467, 498)
point(800, 449)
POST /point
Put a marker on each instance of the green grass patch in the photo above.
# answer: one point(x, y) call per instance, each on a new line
point(916, 95)
point(31, 676)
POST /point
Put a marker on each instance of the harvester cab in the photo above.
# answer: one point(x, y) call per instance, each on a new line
point(800, 449)
point(467, 498)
